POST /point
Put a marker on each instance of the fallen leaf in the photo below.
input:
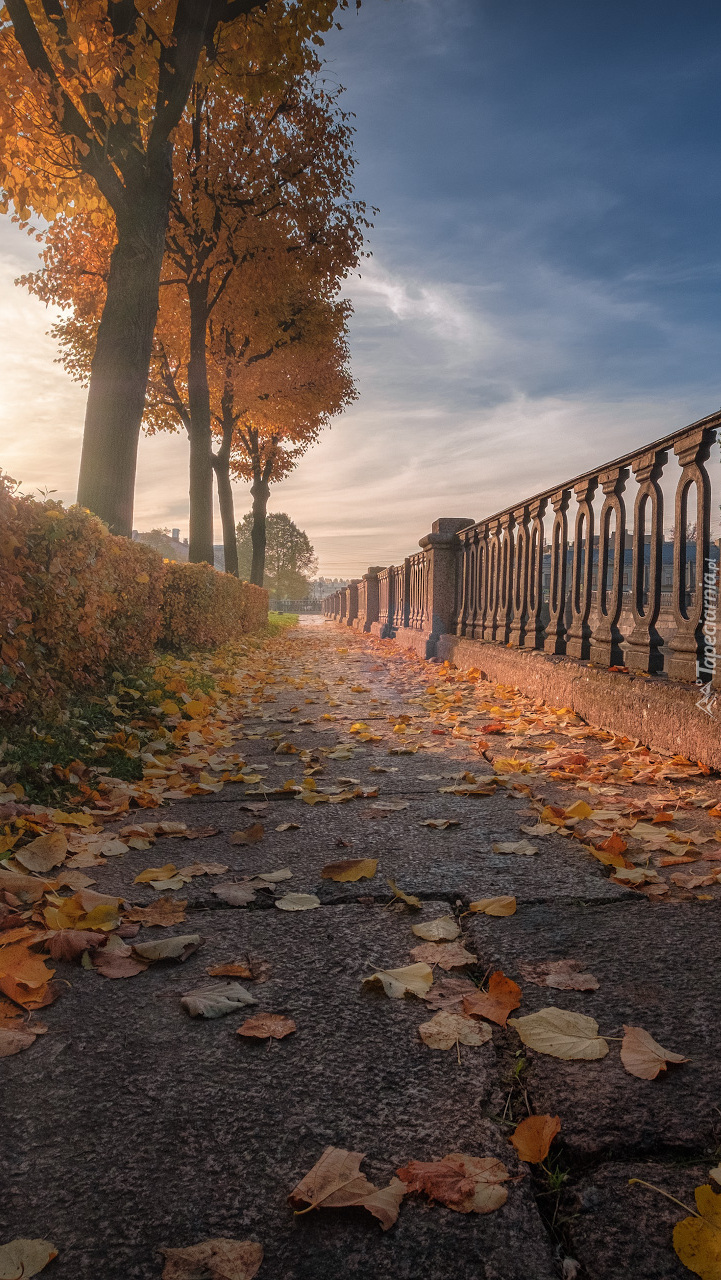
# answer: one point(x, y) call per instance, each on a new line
point(393, 806)
point(236, 895)
point(273, 877)
point(441, 824)
point(116, 960)
point(697, 1240)
point(23, 1258)
point(502, 997)
point(446, 1029)
point(467, 1184)
point(14, 1040)
point(351, 869)
point(178, 948)
point(443, 928)
point(219, 1259)
point(288, 826)
point(502, 906)
point(540, 829)
point(69, 944)
point(164, 912)
point(202, 869)
point(297, 902)
point(157, 874)
point(514, 846)
point(448, 993)
point(447, 955)
point(579, 810)
point(216, 1000)
point(44, 852)
point(336, 1182)
point(411, 980)
point(409, 899)
point(561, 1033)
point(533, 1137)
point(251, 835)
point(642, 1056)
point(267, 1026)
point(715, 1173)
point(563, 975)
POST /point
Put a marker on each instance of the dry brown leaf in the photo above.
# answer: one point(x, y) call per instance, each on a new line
point(562, 975)
point(642, 1056)
point(410, 980)
point(13, 1039)
point(178, 948)
point(501, 906)
point(219, 1259)
point(442, 929)
point(69, 944)
point(503, 996)
point(267, 1026)
point(202, 869)
point(447, 955)
point(533, 1137)
point(251, 835)
point(350, 869)
point(514, 846)
point(288, 826)
point(25, 1258)
point(448, 993)
point(447, 1029)
point(441, 824)
point(336, 1182)
point(44, 852)
point(561, 1033)
point(216, 1000)
point(164, 912)
point(465, 1183)
point(236, 895)
point(116, 960)
point(409, 899)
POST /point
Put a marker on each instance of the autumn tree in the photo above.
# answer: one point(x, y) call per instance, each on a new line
point(262, 202)
point(291, 558)
point(91, 95)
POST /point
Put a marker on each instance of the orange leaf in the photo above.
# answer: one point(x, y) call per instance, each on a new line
point(503, 996)
point(533, 1137)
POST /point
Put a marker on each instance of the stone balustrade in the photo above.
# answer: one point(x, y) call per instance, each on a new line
point(617, 567)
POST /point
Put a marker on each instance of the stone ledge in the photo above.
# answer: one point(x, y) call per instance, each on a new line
point(661, 713)
point(422, 642)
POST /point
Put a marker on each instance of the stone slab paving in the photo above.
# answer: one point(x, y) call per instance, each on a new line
point(130, 1126)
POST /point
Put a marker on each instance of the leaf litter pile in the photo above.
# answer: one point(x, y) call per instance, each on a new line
point(644, 817)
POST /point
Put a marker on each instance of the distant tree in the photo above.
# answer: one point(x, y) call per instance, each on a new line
point(290, 557)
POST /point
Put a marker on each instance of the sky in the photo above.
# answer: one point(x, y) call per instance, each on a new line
point(543, 290)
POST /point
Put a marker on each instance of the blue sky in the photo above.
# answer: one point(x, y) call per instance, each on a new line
point(544, 287)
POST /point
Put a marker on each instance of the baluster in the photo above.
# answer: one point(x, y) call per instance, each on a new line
point(481, 584)
point(535, 629)
point(556, 629)
point(468, 539)
point(506, 579)
point(644, 645)
point(607, 638)
point(491, 620)
point(686, 657)
point(578, 640)
point(519, 597)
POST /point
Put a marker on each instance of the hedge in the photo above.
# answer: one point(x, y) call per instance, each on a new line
point(77, 602)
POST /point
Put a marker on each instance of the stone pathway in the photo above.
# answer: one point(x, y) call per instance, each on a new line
point(131, 1126)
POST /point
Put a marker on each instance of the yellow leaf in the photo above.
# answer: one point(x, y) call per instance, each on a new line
point(502, 906)
point(411, 979)
point(561, 1034)
point(25, 1258)
point(157, 873)
point(697, 1240)
point(579, 810)
point(350, 869)
point(442, 929)
point(448, 1029)
point(409, 898)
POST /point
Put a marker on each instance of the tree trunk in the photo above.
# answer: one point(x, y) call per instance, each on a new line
point(119, 370)
point(201, 438)
point(221, 465)
point(260, 490)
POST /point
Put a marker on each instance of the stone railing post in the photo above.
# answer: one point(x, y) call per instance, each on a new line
point(435, 617)
point(351, 595)
point(371, 598)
